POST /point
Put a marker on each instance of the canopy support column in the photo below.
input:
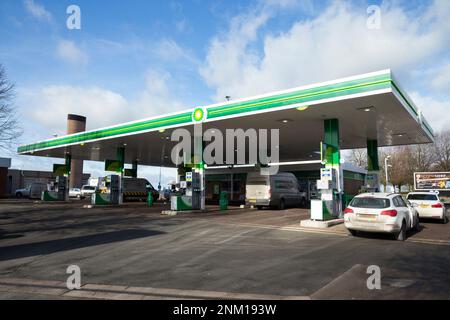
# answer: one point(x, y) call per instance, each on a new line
point(134, 167)
point(333, 201)
point(121, 159)
point(373, 167)
point(199, 166)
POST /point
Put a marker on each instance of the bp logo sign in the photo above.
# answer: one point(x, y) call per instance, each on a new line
point(199, 115)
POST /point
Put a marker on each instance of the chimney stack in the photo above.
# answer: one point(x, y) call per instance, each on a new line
point(76, 123)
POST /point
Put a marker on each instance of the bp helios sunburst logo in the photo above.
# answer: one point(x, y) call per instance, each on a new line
point(199, 115)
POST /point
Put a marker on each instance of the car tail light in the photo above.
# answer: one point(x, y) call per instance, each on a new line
point(390, 213)
point(348, 210)
point(437, 205)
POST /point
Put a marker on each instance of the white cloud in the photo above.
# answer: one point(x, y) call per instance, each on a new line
point(45, 112)
point(435, 111)
point(68, 51)
point(37, 10)
point(49, 106)
point(169, 50)
point(335, 43)
point(441, 80)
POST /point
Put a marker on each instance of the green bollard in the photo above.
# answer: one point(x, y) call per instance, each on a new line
point(150, 199)
point(223, 201)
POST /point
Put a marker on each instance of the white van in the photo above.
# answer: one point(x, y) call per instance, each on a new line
point(33, 191)
point(280, 190)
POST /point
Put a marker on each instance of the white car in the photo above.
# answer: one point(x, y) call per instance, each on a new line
point(428, 205)
point(380, 213)
point(75, 193)
point(87, 190)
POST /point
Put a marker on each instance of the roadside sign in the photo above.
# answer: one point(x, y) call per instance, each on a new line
point(60, 169)
point(432, 181)
point(113, 165)
point(129, 172)
point(326, 174)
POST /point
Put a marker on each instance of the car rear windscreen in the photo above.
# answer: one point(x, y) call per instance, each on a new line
point(423, 197)
point(257, 182)
point(370, 203)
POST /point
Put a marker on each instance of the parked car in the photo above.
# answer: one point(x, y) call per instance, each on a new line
point(33, 191)
point(87, 190)
point(428, 205)
point(75, 193)
point(137, 189)
point(280, 190)
point(380, 213)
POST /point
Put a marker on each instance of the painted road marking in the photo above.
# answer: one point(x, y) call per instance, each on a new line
point(331, 232)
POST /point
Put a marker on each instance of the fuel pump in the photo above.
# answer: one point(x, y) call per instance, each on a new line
point(195, 191)
point(190, 197)
point(59, 190)
point(329, 202)
point(108, 191)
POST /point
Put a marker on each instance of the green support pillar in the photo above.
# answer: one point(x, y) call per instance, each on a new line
point(134, 169)
point(372, 155)
point(68, 164)
point(121, 159)
point(68, 161)
point(121, 156)
point(333, 208)
point(372, 181)
point(331, 129)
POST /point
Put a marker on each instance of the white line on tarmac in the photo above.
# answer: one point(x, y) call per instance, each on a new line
point(332, 232)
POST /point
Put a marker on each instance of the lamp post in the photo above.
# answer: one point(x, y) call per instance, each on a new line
point(386, 169)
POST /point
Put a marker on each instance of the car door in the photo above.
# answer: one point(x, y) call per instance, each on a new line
point(287, 184)
point(293, 190)
point(403, 208)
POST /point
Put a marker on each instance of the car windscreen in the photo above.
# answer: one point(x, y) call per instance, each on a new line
point(370, 203)
point(88, 188)
point(423, 197)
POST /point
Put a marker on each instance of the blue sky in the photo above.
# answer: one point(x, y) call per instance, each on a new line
point(141, 58)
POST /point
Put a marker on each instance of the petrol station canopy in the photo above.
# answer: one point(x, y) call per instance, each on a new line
point(368, 107)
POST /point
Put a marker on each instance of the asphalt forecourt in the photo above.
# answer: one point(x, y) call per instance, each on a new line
point(134, 252)
point(431, 231)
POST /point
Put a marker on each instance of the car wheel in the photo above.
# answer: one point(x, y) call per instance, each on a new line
point(444, 220)
point(303, 203)
point(417, 225)
point(353, 233)
point(19, 195)
point(259, 207)
point(401, 235)
point(281, 205)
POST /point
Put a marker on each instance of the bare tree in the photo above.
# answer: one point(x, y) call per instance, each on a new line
point(9, 126)
point(358, 157)
point(400, 172)
point(442, 151)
